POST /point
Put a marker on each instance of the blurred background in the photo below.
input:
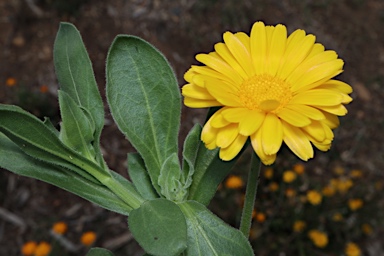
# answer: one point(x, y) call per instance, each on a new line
point(181, 29)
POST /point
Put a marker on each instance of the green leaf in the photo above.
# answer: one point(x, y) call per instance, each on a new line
point(77, 129)
point(170, 179)
point(144, 99)
point(99, 252)
point(15, 160)
point(159, 227)
point(140, 177)
point(210, 171)
point(190, 150)
point(75, 75)
point(39, 141)
point(209, 235)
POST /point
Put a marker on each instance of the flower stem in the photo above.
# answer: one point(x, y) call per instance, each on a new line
point(250, 195)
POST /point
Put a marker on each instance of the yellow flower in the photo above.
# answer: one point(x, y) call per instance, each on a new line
point(299, 226)
point(337, 217)
point(29, 248)
point(314, 197)
point(352, 250)
point(60, 227)
point(328, 191)
point(42, 249)
point(339, 170)
point(260, 217)
point(343, 185)
point(355, 204)
point(88, 238)
point(272, 88)
point(234, 182)
point(299, 168)
point(319, 238)
point(268, 173)
point(356, 174)
point(273, 187)
point(289, 176)
point(367, 229)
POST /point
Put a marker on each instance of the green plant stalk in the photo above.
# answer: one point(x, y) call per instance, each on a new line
point(250, 195)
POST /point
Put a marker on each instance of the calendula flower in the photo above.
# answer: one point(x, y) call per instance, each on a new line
point(289, 176)
point(290, 192)
point(260, 217)
point(352, 249)
point(29, 248)
point(271, 88)
point(88, 238)
point(319, 238)
point(273, 187)
point(10, 82)
point(355, 204)
point(343, 185)
point(328, 191)
point(43, 249)
point(337, 217)
point(367, 229)
point(60, 227)
point(314, 197)
point(299, 168)
point(299, 226)
point(268, 173)
point(234, 182)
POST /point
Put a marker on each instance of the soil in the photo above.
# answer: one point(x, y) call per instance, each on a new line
point(179, 29)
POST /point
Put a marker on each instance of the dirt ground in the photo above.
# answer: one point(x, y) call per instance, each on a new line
point(180, 29)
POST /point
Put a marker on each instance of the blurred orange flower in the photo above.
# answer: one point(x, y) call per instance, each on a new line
point(268, 173)
point(352, 250)
point(289, 176)
point(299, 226)
point(29, 248)
point(314, 197)
point(60, 227)
point(234, 182)
point(299, 168)
point(43, 249)
point(355, 204)
point(10, 82)
point(319, 238)
point(88, 238)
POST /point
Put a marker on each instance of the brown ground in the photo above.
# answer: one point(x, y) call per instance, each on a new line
point(179, 29)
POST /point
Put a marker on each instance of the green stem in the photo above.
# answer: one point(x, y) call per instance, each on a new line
point(250, 195)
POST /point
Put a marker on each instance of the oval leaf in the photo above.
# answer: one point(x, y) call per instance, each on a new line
point(159, 227)
point(209, 235)
point(144, 99)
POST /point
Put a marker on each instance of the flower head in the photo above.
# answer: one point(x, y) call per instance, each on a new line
point(43, 249)
point(352, 250)
point(355, 204)
point(234, 182)
point(60, 227)
point(319, 238)
point(88, 238)
point(298, 226)
point(289, 176)
point(271, 88)
point(314, 197)
point(10, 82)
point(29, 248)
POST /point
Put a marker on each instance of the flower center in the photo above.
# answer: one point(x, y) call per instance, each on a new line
point(265, 92)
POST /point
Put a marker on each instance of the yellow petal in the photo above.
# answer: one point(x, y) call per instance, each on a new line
point(244, 38)
point(218, 121)
point(258, 41)
point(338, 110)
point(223, 92)
point(310, 112)
point(295, 118)
point(208, 134)
point(226, 135)
point(224, 52)
point(315, 130)
point(326, 69)
point(251, 122)
point(256, 144)
point(196, 103)
point(338, 85)
point(276, 48)
point(297, 141)
point(193, 91)
point(220, 66)
point(318, 97)
point(298, 47)
point(309, 64)
point(331, 120)
point(271, 134)
point(207, 71)
point(317, 48)
point(233, 150)
point(234, 115)
point(322, 146)
point(240, 52)
point(188, 75)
